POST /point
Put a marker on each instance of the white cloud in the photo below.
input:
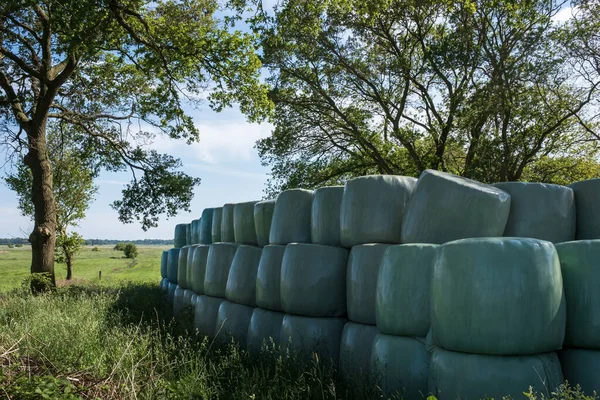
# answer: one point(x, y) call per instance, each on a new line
point(221, 170)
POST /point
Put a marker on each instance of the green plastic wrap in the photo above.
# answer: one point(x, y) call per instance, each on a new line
point(171, 292)
point(580, 264)
point(291, 217)
point(313, 280)
point(587, 198)
point(264, 330)
point(446, 207)
point(164, 260)
point(241, 282)
point(187, 298)
point(404, 289)
point(473, 377)
point(198, 268)
point(268, 278)
point(227, 232)
point(164, 284)
point(196, 231)
point(373, 208)
point(402, 365)
point(263, 215)
point(180, 238)
point(178, 303)
point(355, 350)
point(307, 335)
point(206, 223)
point(244, 231)
point(182, 267)
point(218, 264)
point(325, 219)
point(188, 265)
point(232, 322)
point(361, 281)
point(205, 315)
point(582, 367)
point(172, 265)
point(216, 224)
point(188, 234)
point(194, 299)
point(499, 296)
point(540, 211)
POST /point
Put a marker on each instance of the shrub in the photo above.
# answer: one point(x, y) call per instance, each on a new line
point(130, 250)
point(18, 245)
point(95, 248)
point(11, 246)
point(120, 246)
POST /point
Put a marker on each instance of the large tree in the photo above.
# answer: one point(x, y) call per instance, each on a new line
point(481, 88)
point(119, 72)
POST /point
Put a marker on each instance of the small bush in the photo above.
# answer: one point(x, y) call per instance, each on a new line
point(120, 246)
point(130, 250)
point(18, 245)
point(95, 248)
point(11, 246)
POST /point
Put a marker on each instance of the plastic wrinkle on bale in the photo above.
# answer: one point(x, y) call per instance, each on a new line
point(306, 335)
point(472, 377)
point(264, 330)
point(580, 264)
point(227, 232)
point(244, 231)
point(188, 234)
point(501, 296)
point(164, 260)
point(581, 367)
point(263, 215)
point(373, 208)
point(325, 219)
point(587, 198)
point(402, 364)
point(182, 267)
point(172, 265)
point(356, 349)
point(268, 278)
point(218, 264)
point(216, 224)
point(241, 282)
point(540, 211)
point(402, 305)
point(361, 281)
point(198, 268)
point(206, 226)
point(180, 238)
point(196, 231)
point(291, 217)
point(205, 315)
point(232, 322)
point(446, 207)
point(171, 292)
point(313, 280)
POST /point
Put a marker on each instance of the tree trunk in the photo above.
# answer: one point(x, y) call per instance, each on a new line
point(43, 237)
point(69, 262)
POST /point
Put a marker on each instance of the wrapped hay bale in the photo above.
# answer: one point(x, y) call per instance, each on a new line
point(325, 219)
point(264, 330)
point(227, 232)
point(171, 292)
point(178, 303)
point(268, 278)
point(582, 367)
point(164, 284)
point(206, 223)
point(472, 376)
point(216, 224)
point(361, 281)
point(402, 364)
point(500, 296)
point(241, 282)
point(188, 269)
point(188, 234)
point(172, 264)
point(356, 350)
point(587, 198)
point(232, 322)
point(180, 238)
point(198, 268)
point(263, 214)
point(373, 208)
point(291, 217)
point(580, 264)
point(196, 231)
point(404, 288)
point(306, 335)
point(313, 280)
point(218, 263)
point(243, 223)
point(194, 300)
point(540, 211)
point(164, 260)
point(205, 315)
point(187, 298)
point(182, 267)
point(447, 207)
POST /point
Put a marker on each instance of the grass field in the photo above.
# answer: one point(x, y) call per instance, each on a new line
point(15, 263)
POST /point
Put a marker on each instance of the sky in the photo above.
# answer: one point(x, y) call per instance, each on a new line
point(225, 159)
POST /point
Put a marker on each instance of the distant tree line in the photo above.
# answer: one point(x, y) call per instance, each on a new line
point(96, 242)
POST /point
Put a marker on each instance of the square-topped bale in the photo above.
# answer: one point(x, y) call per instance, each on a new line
point(263, 215)
point(243, 223)
point(291, 217)
point(227, 232)
point(325, 220)
point(206, 226)
point(587, 198)
point(215, 231)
